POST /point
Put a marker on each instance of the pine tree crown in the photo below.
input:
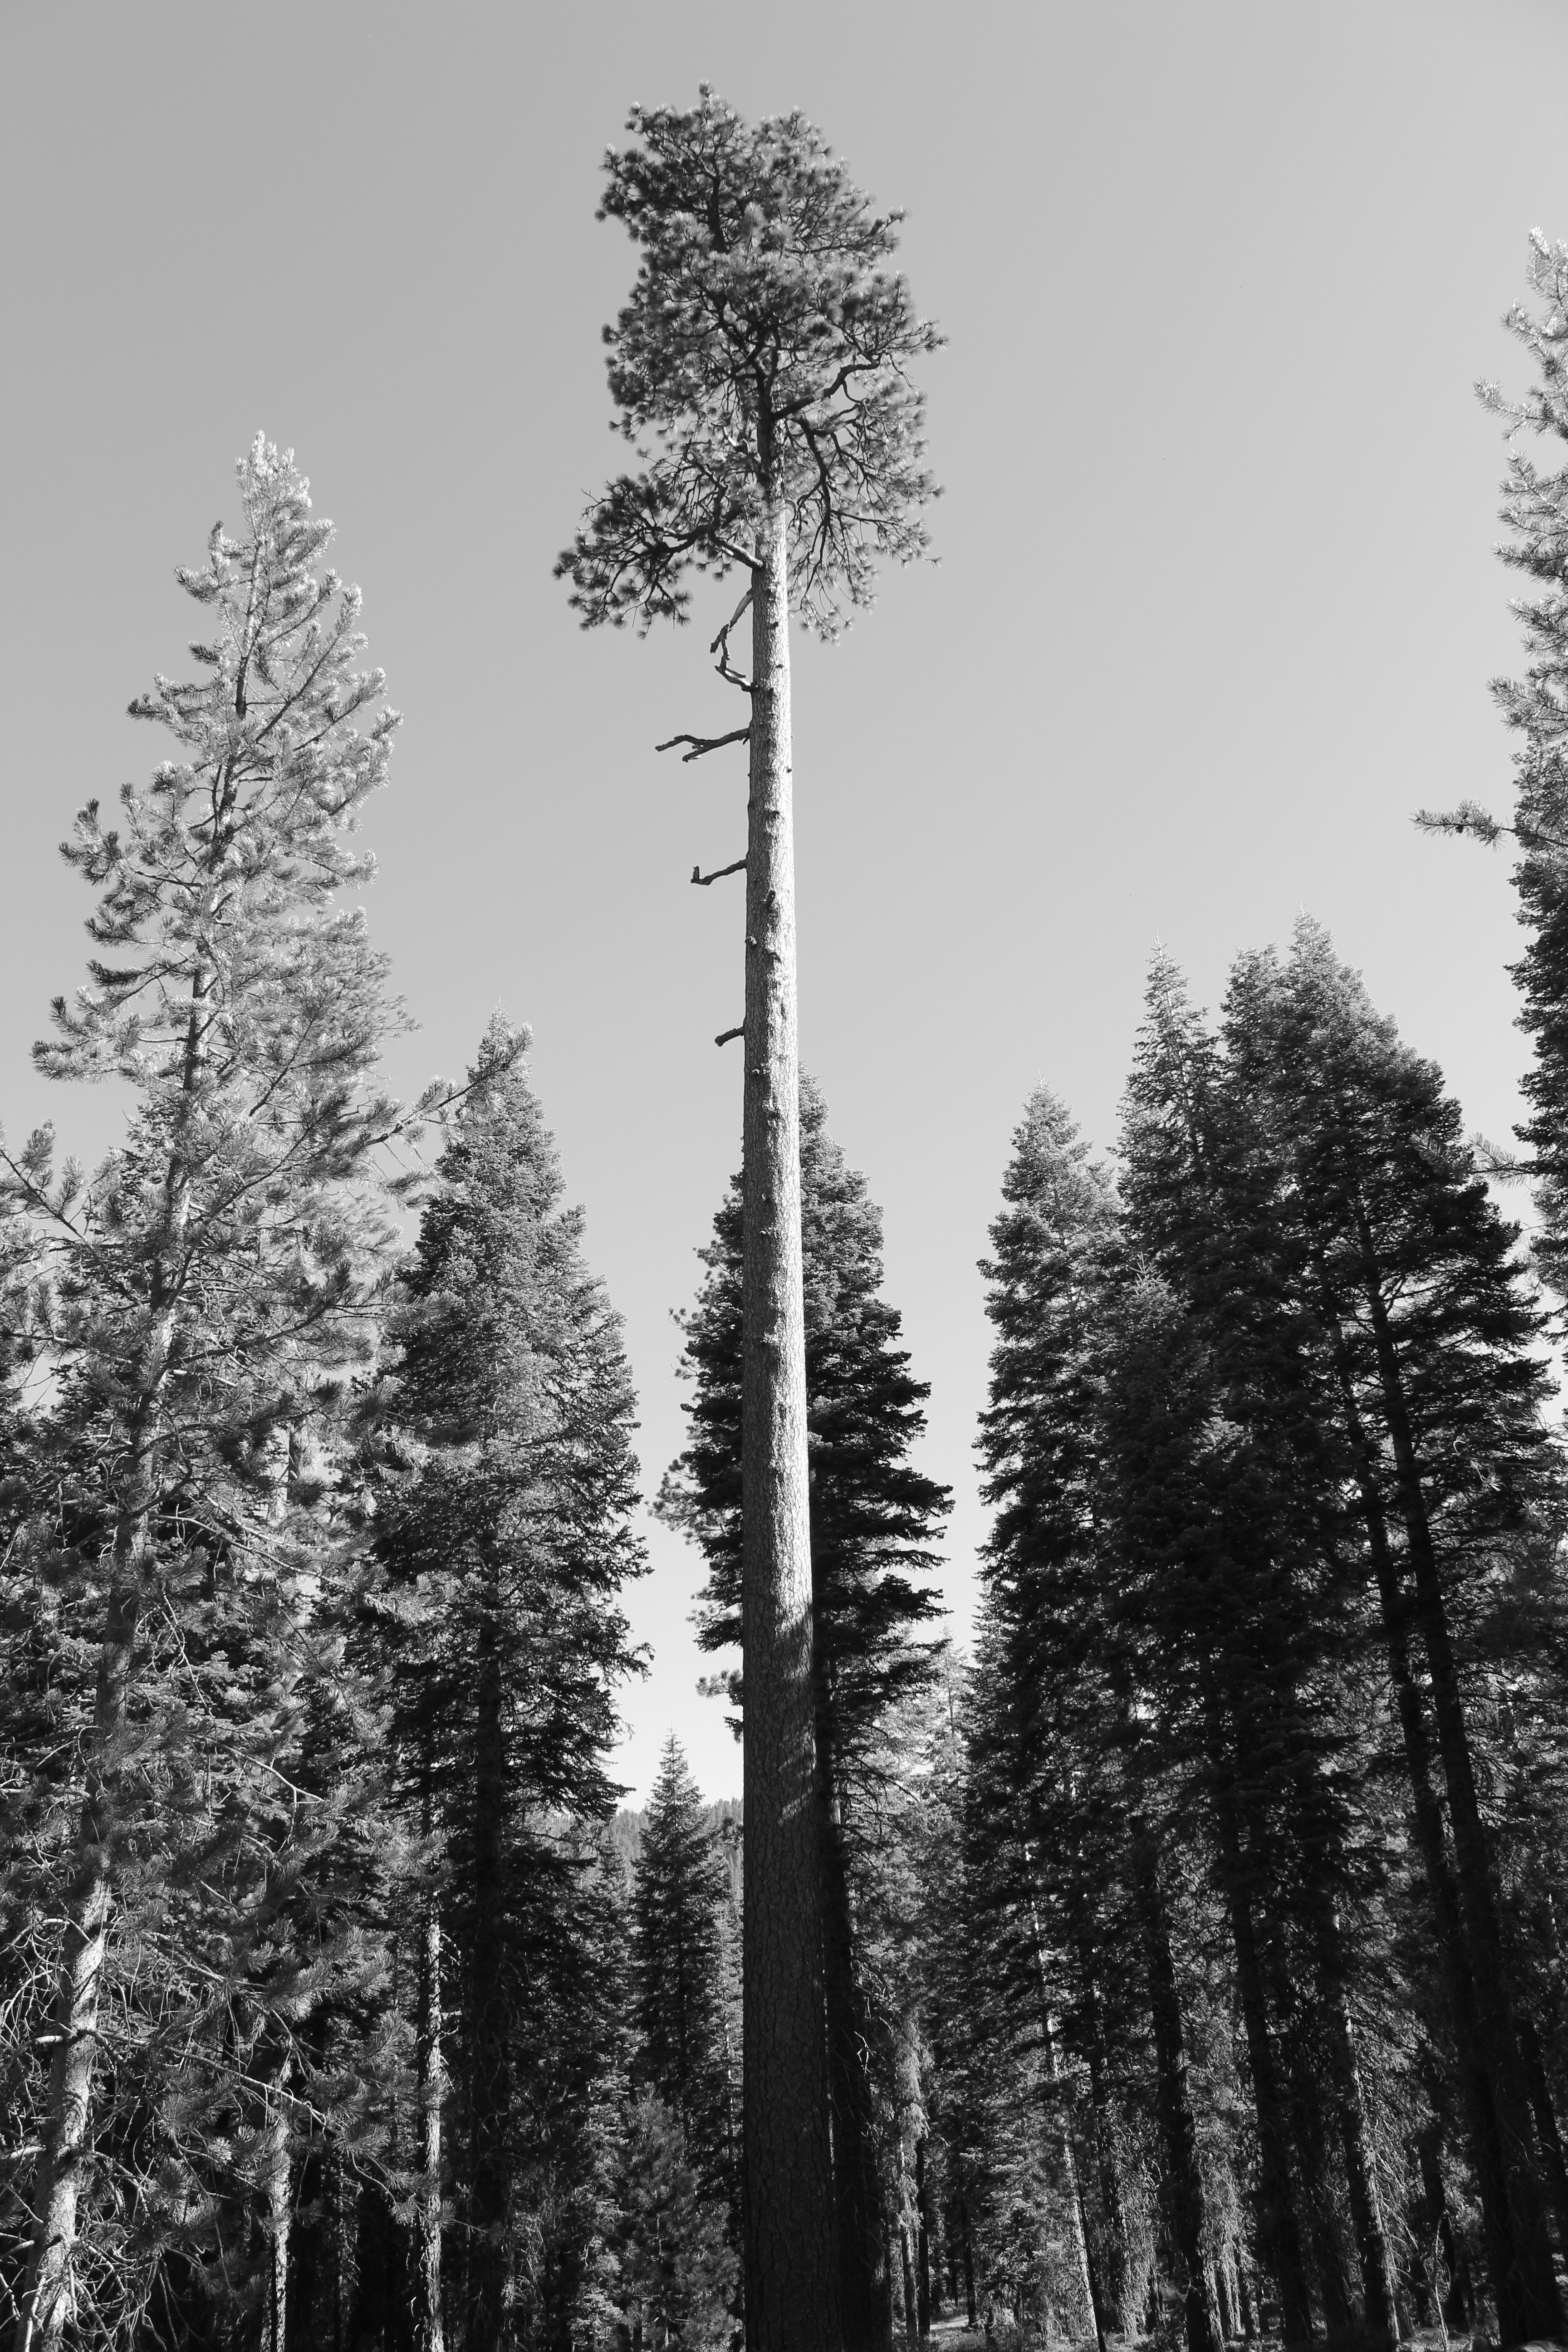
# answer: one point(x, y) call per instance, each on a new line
point(762, 363)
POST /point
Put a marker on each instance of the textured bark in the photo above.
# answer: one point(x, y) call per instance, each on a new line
point(278, 2205)
point(1528, 2302)
point(791, 2289)
point(1185, 2188)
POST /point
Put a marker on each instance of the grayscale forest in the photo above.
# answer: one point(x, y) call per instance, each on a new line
point(1175, 1962)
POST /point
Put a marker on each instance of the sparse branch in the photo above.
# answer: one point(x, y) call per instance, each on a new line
point(725, 1034)
point(721, 646)
point(718, 874)
point(702, 744)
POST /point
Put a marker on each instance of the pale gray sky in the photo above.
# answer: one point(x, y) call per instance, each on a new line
point(1216, 607)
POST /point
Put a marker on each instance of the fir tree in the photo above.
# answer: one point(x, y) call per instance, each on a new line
point(873, 1517)
point(764, 355)
point(1535, 511)
point(505, 1533)
point(225, 1257)
point(679, 1903)
point(1439, 1389)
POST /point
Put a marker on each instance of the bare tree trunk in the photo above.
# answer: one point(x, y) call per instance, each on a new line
point(1282, 2228)
point(922, 2243)
point(1185, 2182)
point(277, 2186)
point(790, 2288)
point(866, 2312)
point(1529, 2304)
point(1475, 2074)
point(1379, 2293)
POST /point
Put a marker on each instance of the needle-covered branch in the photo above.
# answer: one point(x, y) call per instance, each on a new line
point(763, 361)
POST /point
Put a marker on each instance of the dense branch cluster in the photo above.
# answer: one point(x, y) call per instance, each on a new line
point(762, 363)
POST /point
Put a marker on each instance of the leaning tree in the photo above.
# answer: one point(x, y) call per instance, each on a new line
point(760, 372)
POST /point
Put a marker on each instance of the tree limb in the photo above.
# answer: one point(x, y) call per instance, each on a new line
point(725, 1034)
point(718, 872)
point(702, 743)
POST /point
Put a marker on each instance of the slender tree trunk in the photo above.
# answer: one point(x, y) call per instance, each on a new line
point(791, 2286)
point(1185, 2188)
point(1111, 2219)
point(865, 2313)
point(912, 2329)
point(922, 2243)
point(1077, 2220)
point(431, 2081)
point(1378, 2294)
point(1528, 2300)
point(1475, 2074)
point(277, 2187)
point(971, 2308)
point(490, 2073)
point(1282, 2231)
point(45, 2300)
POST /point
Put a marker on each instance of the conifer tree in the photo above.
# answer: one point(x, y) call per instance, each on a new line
point(1535, 511)
point(505, 1535)
point(225, 1257)
point(762, 371)
point(681, 1894)
point(873, 1519)
point(1439, 1391)
point(1060, 1765)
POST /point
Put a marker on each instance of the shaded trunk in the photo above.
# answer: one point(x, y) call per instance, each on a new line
point(1528, 2300)
point(922, 2243)
point(1475, 2078)
point(1379, 2297)
point(1282, 2225)
point(278, 2214)
point(490, 2096)
point(911, 2332)
point(970, 2309)
point(1184, 2182)
point(1556, 2167)
point(865, 2299)
point(1111, 2219)
point(790, 2272)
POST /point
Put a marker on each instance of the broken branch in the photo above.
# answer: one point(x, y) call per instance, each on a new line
point(721, 646)
point(701, 744)
point(725, 1034)
point(718, 872)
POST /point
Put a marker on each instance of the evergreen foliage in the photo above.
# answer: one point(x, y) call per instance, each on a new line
point(680, 1904)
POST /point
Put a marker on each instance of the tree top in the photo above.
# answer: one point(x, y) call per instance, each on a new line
point(761, 365)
